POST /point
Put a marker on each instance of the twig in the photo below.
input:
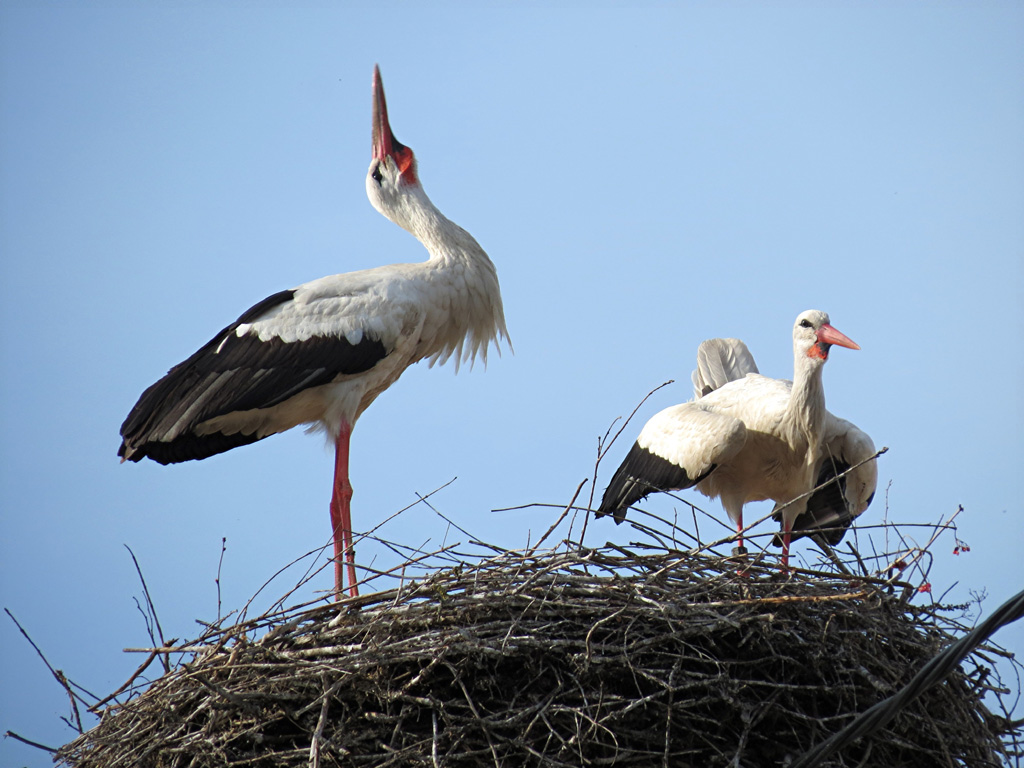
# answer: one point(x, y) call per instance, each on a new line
point(604, 445)
point(220, 564)
point(57, 674)
point(151, 611)
point(561, 517)
point(134, 676)
point(318, 734)
point(31, 743)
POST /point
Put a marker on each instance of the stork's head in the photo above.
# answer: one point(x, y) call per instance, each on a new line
point(392, 177)
point(813, 336)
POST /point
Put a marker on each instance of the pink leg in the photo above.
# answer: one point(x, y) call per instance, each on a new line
point(786, 535)
point(739, 551)
point(341, 516)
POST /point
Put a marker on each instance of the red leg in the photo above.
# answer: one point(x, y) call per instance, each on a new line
point(739, 551)
point(341, 516)
point(787, 527)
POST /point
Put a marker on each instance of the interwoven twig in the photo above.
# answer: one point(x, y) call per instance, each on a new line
point(616, 656)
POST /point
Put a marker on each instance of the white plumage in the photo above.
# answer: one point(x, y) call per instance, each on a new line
point(320, 353)
point(720, 361)
point(747, 437)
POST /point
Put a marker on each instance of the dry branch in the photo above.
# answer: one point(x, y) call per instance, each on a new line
point(616, 656)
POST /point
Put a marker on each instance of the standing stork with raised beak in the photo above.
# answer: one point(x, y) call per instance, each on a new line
point(320, 353)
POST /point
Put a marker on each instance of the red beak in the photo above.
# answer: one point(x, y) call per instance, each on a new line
point(383, 139)
point(829, 335)
point(384, 142)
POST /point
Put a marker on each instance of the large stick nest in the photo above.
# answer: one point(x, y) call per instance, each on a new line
point(621, 657)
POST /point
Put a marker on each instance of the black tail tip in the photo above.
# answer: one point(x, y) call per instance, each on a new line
point(129, 454)
point(619, 514)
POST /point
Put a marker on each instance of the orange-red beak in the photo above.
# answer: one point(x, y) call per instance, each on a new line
point(384, 142)
point(829, 335)
point(383, 139)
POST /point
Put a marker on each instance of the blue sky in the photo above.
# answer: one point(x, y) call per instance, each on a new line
point(643, 178)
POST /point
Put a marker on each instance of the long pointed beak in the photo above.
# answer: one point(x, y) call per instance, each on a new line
point(383, 139)
point(830, 335)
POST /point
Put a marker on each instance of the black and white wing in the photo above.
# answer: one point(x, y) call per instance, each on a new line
point(676, 449)
point(282, 346)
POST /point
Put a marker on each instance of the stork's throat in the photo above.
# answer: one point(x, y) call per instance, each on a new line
point(819, 350)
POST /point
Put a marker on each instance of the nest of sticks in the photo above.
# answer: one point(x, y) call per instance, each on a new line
point(646, 655)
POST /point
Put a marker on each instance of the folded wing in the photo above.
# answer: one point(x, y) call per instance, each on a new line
point(238, 371)
point(676, 449)
point(834, 506)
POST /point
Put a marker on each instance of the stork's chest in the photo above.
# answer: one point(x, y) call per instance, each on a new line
point(772, 466)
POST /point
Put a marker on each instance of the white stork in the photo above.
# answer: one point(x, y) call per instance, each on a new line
point(320, 353)
point(747, 437)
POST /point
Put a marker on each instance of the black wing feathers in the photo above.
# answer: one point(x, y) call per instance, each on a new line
point(230, 374)
point(256, 310)
point(640, 474)
point(189, 446)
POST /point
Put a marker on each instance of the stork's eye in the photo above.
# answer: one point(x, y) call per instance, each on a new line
point(805, 323)
point(376, 175)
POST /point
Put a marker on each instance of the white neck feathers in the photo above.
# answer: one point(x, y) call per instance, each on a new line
point(460, 269)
